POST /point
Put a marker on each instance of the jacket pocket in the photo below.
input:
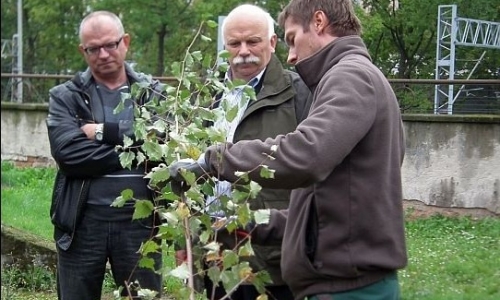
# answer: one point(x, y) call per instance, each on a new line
point(63, 208)
point(57, 192)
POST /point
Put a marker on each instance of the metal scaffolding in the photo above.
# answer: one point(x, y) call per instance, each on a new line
point(454, 31)
point(10, 50)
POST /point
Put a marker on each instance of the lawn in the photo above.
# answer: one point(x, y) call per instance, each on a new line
point(450, 258)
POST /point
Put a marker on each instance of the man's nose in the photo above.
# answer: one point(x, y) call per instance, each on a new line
point(292, 58)
point(244, 50)
point(103, 50)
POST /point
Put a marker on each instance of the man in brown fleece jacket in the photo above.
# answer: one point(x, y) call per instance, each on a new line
point(343, 233)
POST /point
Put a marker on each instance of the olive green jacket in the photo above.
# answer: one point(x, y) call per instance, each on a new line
point(283, 101)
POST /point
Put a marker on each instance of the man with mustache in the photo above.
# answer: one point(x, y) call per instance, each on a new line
point(282, 102)
point(343, 233)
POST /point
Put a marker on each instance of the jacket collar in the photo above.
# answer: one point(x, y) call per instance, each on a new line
point(273, 81)
point(85, 79)
point(313, 68)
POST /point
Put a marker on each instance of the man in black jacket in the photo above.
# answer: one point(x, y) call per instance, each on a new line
point(83, 131)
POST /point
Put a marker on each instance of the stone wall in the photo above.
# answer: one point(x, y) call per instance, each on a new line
point(25, 250)
point(24, 134)
point(453, 161)
point(450, 162)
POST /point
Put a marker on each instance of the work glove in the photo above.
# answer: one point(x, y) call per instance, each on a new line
point(178, 182)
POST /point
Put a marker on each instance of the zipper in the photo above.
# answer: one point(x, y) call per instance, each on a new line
point(81, 196)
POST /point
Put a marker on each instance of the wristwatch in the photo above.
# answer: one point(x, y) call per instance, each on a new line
point(99, 132)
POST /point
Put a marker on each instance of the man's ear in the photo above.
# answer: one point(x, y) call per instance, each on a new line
point(320, 21)
point(126, 39)
point(80, 49)
point(274, 42)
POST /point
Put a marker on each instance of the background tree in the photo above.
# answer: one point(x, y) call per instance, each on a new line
point(401, 34)
point(53, 49)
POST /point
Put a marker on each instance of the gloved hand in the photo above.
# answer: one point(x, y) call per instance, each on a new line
point(177, 181)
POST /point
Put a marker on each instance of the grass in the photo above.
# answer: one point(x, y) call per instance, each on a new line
point(449, 258)
point(452, 259)
point(26, 195)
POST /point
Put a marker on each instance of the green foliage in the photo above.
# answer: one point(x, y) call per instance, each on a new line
point(34, 278)
point(414, 99)
point(172, 127)
point(402, 39)
point(401, 36)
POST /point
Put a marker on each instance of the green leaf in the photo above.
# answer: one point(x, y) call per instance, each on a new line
point(127, 141)
point(244, 213)
point(153, 150)
point(229, 259)
point(170, 217)
point(148, 294)
point(224, 54)
point(149, 246)
point(261, 279)
point(120, 107)
point(189, 60)
point(127, 194)
point(262, 216)
point(230, 279)
point(214, 273)
point(189, 176)
point(118, 202)
point(205, 236)
point(158, 174)
point(207, 61)
point(255, 189)
point(205, 38)
point(176, 69)
point(147, 262)
point(181, 272)
point(239, 196)
point(143, 209)
point(246, 250)
point(126, 159)
point(212, 246)
point(232, 113)
point(265, 172)
point(140, 158)
point(197, 55)
point(212, 24)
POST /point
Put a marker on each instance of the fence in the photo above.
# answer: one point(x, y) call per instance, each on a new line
point(473, 96)
point(451, 161)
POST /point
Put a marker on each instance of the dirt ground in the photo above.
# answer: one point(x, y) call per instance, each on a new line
point(416, 209)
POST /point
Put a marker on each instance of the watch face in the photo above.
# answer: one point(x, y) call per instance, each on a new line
point(99, 134)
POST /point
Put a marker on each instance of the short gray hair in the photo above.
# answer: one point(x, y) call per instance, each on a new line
point(102, 13)
point(253, 10)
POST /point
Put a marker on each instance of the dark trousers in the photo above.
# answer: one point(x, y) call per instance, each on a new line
point(81, 269)
point(385, 289)
point(247, 292)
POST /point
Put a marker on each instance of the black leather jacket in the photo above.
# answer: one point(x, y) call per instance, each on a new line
point(78, 158)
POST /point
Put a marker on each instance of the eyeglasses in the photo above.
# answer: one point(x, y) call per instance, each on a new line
point(108, 47)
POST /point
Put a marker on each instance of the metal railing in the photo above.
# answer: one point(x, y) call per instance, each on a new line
point(477, 96)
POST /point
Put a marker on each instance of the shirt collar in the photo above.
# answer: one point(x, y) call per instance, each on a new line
point(253, 82)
